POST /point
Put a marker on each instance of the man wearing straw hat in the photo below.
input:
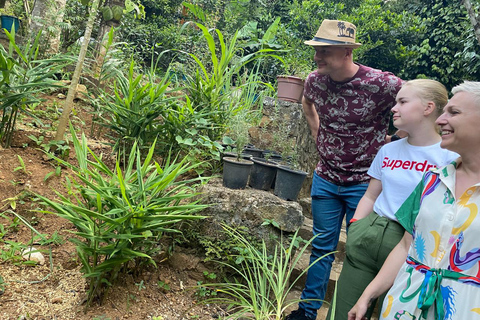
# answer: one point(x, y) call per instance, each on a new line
point(347, 107)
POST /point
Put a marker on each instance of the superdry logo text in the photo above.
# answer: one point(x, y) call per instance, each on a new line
point(407, 165)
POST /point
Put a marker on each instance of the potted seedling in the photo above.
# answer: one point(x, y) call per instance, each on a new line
point(236, 170)
point(289, 178)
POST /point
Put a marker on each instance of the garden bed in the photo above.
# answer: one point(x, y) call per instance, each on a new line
point(57, 289)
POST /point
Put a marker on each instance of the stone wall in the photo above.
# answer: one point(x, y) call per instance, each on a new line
point(295, 129)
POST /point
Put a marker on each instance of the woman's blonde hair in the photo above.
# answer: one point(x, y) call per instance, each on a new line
point(430, 90)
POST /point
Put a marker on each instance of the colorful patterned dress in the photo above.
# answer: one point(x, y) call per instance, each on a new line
point(441, 276)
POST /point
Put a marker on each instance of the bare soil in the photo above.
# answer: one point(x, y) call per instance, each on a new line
point(57, 289)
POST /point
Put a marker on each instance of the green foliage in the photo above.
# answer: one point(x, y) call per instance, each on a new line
point(12, 251)
point(443, 51)
point(11, 227)
point(74, 23)
point(262, 280)
point(24, 76)
point(120, 215)
point(2, 285)
point(211, 87)
point(59, 148)
point(22, 166)
point(223, 249)
point(162, 285)
point(134, 112)
point(238, 131)
point(387, 37)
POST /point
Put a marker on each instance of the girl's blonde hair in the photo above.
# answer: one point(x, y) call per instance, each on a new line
point(430, 90)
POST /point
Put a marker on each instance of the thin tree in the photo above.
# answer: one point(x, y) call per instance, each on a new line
point(62, 125)
point(474, 19)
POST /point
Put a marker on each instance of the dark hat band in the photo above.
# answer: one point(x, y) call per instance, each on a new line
point(331, 41)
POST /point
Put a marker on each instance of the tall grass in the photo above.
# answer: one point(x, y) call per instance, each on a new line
point(262, 281)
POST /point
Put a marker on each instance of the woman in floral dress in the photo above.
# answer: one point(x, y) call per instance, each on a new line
point(435, 269)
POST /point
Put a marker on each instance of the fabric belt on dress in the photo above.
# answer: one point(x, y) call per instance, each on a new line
point(431, 292)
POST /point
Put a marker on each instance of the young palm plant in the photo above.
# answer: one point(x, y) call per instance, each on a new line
point(120, 216)
point(263, 279)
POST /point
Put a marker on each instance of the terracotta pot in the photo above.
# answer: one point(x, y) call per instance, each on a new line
point(290, 88)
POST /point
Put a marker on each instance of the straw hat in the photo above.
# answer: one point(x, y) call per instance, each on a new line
point(335, 33)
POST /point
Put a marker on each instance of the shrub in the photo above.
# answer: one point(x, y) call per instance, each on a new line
point(120, 215)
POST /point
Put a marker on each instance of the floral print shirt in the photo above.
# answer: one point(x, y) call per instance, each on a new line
point(354, 117)
point(441, 277)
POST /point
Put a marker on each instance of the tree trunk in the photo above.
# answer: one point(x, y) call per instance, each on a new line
point(473, 18)
point(62, 125)
point(105, 27)
point(47, 14)
point(54, 39)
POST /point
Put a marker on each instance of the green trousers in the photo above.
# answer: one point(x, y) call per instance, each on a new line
point(369, 242)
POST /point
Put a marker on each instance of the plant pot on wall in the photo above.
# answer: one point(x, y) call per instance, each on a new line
point(290, 88)
point(253, 151)
point(263, 173)
point(9, 21)
point(288, 182)
point(236, 172)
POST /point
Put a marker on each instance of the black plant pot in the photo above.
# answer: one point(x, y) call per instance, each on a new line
point(272, 155)
point(288, 182)
point(253, 151)
point(234, 155)
point(236, 173)
point(262, 174)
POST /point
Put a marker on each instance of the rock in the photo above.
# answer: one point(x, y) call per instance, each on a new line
point(306, 204)
point(34, 255)
point(248, 208)
point(57, 300)
point(182, 261)
point(81, 92)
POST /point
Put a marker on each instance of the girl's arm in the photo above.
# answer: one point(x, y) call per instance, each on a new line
point(365, 205)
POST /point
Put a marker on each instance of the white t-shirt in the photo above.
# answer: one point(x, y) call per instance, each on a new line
point(400, 167)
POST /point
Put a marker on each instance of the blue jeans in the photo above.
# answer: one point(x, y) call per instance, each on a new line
point(330, 203)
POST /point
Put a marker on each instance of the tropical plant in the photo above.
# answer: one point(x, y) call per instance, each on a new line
point(134, 113)
point(24, 76)
point(211, 87)
point(121, 215)
point(262, 279)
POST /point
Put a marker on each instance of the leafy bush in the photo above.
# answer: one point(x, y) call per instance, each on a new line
point(121, 215)
point(134, 112)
